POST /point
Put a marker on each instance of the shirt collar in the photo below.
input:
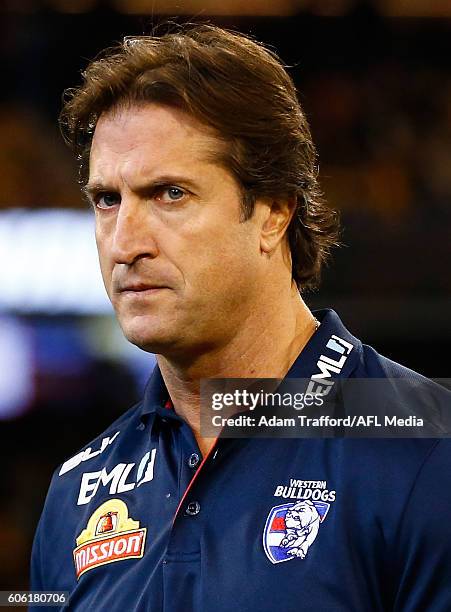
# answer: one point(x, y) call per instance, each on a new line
point(331, 339)
point(155, 400)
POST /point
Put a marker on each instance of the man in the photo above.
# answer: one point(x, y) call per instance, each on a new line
point(199, 164)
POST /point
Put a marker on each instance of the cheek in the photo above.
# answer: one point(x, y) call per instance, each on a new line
point(227, 253)
point(224, 271)
point(104, 261)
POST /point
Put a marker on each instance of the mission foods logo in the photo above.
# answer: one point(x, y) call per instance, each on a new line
point(110, 536)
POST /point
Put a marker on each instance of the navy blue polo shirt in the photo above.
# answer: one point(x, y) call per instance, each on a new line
point(139, 521)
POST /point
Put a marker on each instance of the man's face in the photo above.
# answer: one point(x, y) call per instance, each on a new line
point(180, 268)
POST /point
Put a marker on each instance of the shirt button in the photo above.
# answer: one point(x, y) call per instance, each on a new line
point(193, 460)
point(192, 508)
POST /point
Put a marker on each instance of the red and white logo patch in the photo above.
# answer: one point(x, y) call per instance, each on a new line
point(110, 535)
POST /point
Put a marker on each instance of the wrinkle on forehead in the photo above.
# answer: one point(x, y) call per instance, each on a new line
point(125, 112)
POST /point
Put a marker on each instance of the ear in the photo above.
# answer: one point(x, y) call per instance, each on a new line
point(278, 215)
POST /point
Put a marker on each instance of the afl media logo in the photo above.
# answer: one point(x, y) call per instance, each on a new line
point(110, 535)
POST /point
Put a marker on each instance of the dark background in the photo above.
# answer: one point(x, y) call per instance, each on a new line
point(376, 85)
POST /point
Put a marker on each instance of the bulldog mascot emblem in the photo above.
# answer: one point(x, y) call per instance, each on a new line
point(292, 528)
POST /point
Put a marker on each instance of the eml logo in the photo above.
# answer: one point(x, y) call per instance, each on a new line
point(110, 535)
point(116, 479)
point(321, 383)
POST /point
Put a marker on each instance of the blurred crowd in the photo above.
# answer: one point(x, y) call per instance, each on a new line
point(384, 139)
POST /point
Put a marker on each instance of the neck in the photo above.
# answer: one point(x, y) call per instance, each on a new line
point(264, 347)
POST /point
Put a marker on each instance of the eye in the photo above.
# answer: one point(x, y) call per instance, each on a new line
point(107, 200)
point(170, 194)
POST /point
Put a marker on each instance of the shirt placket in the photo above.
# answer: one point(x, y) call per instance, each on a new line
point(182, 561)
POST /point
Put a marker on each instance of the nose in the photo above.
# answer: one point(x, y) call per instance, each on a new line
point(132, 238)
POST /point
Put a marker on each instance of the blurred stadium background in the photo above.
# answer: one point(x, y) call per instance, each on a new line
point(375, 80)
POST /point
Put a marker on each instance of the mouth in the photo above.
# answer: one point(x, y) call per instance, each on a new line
point(141, 289)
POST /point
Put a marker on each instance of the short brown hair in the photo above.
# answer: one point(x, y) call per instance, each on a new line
point(236, 86)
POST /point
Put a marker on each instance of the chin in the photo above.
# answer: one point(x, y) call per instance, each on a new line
point(167, 336)
point(147, 335)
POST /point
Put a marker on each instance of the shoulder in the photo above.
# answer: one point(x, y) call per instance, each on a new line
point(401, 386)
point(90, 474)
point(374, 365)
point(102, 442)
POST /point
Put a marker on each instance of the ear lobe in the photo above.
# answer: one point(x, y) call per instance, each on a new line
point(279, 215)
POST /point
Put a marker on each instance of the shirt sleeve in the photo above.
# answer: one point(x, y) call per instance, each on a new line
point(37, 570)
point(44, 554)
point(36, 578)
point(423, 548)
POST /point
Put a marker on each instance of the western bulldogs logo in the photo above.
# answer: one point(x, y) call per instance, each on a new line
point(292, 528)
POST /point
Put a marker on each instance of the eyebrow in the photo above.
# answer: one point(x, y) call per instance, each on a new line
point(91, 189)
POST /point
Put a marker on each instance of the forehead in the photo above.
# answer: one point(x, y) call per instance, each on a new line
point(150, 134)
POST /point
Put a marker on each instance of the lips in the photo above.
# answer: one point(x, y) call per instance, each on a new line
point(139, 288)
